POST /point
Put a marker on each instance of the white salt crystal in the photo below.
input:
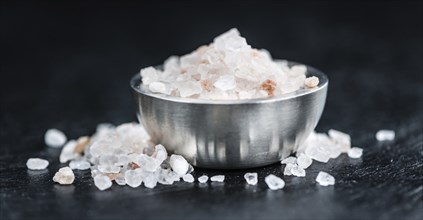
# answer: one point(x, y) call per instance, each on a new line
point(133, 178)
point(147, 163)
point(385, 135)
point(225, 82)
point(325, 179)
point(274, 182)
point(189, 88)
point(68, 152)
point(54, 138)
point(288, 169)
point(108, 168)
point(167, 176)
point(304, 161)
point(217, 178)
point(355, 152)
point(203, 179)
point(64, 176)
point(149, 75)
point(340, 137)
point(251, 178)
point(318, 153)
point(102, 182)
point(161, 153)
point(79, 165)
point(179, 164)
point(188, 178)
point(297, 171)
point(37, 164)
point(288, 160)
point(120, 180)
point(311, 82)
point(158, 87)
point(150, 180)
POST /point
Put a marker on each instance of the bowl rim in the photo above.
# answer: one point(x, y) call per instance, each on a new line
point(136, 85)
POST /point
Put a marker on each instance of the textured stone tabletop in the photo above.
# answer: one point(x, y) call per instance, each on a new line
point(68, 65)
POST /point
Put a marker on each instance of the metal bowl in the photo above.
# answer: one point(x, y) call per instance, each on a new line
point(231, 134)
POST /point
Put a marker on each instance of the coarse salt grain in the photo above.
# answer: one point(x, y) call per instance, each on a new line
point(203, 179)
point(355, 152)
point(79, 165)
point(251, 178)
point(217, 178)
point(102, 182)
point(54, 138)
point(188, 178)
point(288, 160)
point(179, 164)
point(311, 82)
point(385, 135)
point(37, 164)
point(274, 182)
point(304, 161)
point(64, 176)
point(325, 179)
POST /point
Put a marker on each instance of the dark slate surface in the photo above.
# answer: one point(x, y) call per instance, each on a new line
point(67, 65)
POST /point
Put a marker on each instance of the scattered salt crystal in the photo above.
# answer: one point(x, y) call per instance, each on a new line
point(274, 182)
point(304, 161)
point(217, 178)
point(340, 137)
point(102, 182)
point(288, 169)
point(68, 152)
point(203, 179)
point(325, 179)
point(251, 178)
point(288, 160)
point(297, 171)
point(311, 82)
point(54, 138)
point(188, 178)
point(355, 152)
point(37, 164)
point(318, 153)
point(64, 176)
point(133, 178)
point(79, 165)
point(179, 164)
point(385, 135)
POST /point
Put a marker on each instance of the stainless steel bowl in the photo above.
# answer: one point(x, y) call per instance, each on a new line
point(231, 134)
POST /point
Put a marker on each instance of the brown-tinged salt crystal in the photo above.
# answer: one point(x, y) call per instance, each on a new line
point(64, 176)
point(133, 166)
point(81, 144)
point(311, 82)
point(269, 86)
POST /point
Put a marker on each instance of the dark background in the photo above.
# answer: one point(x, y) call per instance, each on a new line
point(67, 65)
